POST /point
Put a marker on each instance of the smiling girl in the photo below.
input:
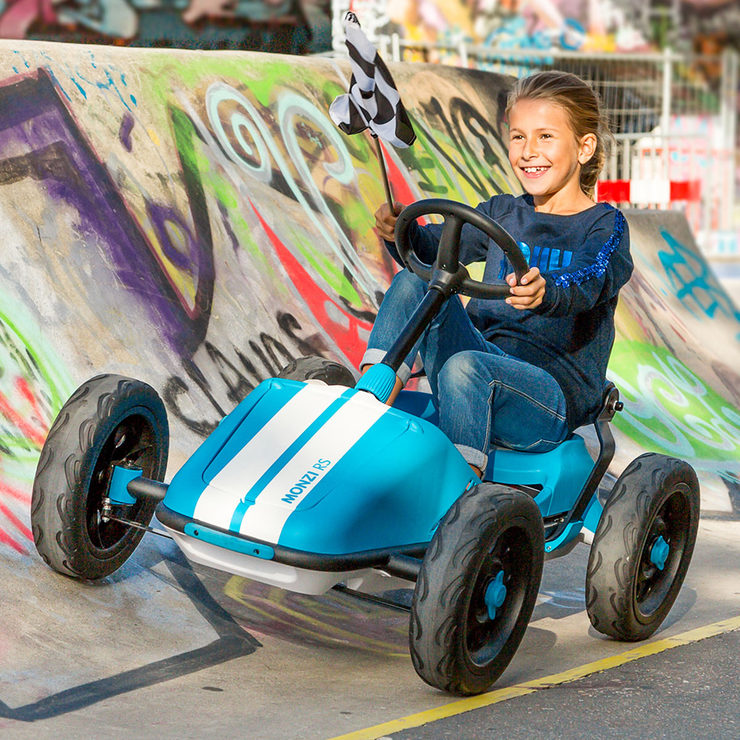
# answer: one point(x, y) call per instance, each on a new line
point(524, 372)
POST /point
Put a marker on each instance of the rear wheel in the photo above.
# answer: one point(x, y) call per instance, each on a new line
point(476, 589)
point(642, 547)
point(109, 420)
point(318, 368)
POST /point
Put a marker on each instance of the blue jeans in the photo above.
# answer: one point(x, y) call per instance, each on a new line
point(483, 395)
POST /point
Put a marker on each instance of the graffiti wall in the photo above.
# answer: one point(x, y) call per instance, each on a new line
point(676, 358)
point(704, 26)
point(596, 25)
point(278, 26)
point(196, 220)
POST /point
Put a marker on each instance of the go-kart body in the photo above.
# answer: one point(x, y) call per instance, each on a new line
point(304, 482)
point(305, 485)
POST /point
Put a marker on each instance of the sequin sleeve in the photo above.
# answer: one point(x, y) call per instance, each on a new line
point(601, 265)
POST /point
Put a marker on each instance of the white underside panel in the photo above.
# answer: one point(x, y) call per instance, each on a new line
point(284, 576)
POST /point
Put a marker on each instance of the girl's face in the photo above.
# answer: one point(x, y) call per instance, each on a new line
point(544, 151)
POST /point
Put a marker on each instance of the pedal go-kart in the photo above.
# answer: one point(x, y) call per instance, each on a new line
point(307, 485)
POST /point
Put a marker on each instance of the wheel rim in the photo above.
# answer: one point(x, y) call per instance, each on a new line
point(662, 552)
point(132, 442)
point(497, 597)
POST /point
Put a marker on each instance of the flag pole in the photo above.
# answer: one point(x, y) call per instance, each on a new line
point(386, 184)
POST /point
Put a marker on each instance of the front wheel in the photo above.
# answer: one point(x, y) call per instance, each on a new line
point(642, 547)
point(476, 589)
point(109, 420)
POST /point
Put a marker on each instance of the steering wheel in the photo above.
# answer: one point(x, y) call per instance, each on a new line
point(447, 260)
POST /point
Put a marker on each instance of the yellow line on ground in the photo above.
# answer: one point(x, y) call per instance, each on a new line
point(529, 687)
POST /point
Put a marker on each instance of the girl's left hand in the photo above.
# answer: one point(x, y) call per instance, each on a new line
point(529, 293)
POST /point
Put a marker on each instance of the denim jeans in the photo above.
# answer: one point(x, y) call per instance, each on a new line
point(483, 395)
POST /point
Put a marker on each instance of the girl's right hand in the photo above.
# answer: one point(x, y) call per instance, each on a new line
point(385, 221)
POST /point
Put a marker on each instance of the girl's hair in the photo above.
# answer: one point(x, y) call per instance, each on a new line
point(581, 104)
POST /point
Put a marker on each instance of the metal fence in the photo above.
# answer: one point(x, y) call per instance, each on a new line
point(674, 117)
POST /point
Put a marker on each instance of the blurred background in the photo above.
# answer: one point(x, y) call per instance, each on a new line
point(667, 70)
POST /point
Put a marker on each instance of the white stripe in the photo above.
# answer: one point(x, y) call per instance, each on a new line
point(229, 486)
point(643, 192)
point(356, 36)
point(387, 89)
point(387, 132)
point(369, 106)
point(339, 110)
point(264, 520)
point(361, 79)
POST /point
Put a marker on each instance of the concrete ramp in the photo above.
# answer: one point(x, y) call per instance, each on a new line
point(676, 360)
point(195, 220)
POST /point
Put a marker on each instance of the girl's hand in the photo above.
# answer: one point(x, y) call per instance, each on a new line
point(529, 293)
point(385, 221)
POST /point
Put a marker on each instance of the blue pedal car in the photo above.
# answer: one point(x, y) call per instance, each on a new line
point(313, 482)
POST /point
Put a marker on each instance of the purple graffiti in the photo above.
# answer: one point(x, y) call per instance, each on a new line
point(39, 139)
point(124, 132)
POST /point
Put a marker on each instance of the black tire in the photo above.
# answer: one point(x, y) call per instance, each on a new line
point(654, 504)
point(456, 644)
point(318, 368)
point(108, 420)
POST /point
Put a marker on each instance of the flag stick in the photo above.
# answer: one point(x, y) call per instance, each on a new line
point(386, 184)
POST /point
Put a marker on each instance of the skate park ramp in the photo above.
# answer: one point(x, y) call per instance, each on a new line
point(195, 220)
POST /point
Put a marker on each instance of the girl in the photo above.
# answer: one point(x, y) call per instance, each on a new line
point(524, 372)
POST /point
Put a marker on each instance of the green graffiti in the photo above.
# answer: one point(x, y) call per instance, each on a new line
point(191, 75)
point(271, 76)
point(357, 217)
point(324, 266)
point(671, 410)
point(223, 190)
point(468, 170)
point(33, 387)
point(197, 165)
point(423, 161)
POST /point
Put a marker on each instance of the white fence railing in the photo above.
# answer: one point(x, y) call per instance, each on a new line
point(675, 129)
point(686, 171)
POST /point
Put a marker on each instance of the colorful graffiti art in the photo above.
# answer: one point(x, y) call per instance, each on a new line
point(33, 386)
point(280, 26)
point(676, 357)
point(199, 225)
point(198, 221)
point(603, 25)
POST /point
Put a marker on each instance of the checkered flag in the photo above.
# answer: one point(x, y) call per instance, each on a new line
point(373, 101)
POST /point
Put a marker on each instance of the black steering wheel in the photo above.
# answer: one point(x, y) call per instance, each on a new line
point(447, 260)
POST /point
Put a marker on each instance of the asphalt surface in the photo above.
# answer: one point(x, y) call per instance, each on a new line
point(686, 692)
point(167, 651)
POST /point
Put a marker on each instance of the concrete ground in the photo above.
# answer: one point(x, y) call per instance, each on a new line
point(163, 650)
point(689, 692)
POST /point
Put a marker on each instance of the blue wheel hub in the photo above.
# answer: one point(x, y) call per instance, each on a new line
point(659, 553)
point(495, 595)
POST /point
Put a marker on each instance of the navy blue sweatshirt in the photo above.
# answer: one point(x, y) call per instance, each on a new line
point(584, 259)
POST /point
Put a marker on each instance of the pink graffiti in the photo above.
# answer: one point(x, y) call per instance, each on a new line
point(32, 428)
point(401, 190)
point(9, 533)
point(24, 427)
point(20, 15)
point(345, 329)
point(18, 524)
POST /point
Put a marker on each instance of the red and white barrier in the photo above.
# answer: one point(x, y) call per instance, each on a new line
point(641, 192)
